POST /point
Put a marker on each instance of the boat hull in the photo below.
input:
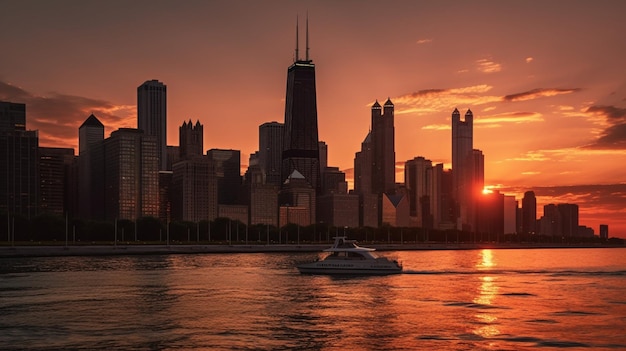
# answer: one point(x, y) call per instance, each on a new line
point(349, 268)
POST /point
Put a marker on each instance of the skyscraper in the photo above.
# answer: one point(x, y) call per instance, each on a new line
point(227, 168)
point(270, 150)
point(54, 168)
point(152, 115)
point(383, 143)
point(194, 186)
point(462, 166)
point(368, 201)
point(90, 169)
point(529, 213)
point(19, 158)
point(132, 175)
point(300, 142)
point(190, 140)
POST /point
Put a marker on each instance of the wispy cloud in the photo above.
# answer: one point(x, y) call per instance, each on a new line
point(424, 41)
point(58, 116)
point(510, 117)
point(488, 66)
point(538, 93)
point(437, 100)
point(529, 59)
point(437, 127)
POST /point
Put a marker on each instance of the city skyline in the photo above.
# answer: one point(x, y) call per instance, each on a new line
point(549, 111)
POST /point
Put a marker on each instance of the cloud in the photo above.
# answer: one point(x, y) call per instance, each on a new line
point(613, 136)
point(428, 101)
point(58, 116)
point(424, 41)
point(437, 127)
point(611, 112)
point(529, 59)
point(510, 117)
point(488, 66)
point(537, 93)
point(436, 100)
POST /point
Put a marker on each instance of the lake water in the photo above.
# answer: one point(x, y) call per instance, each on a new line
point(499, 299)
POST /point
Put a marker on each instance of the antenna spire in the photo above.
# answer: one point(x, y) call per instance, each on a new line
point(297, 45)
point(307, 35)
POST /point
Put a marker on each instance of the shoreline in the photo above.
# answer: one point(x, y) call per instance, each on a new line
point(151, 249)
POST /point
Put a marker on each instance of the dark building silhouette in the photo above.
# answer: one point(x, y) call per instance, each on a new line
point(604, 231)
point(90, 169)
point(463, 167)
point(568, 214)
point(19, 157)
point(297, 201)
point(529, 213)
point(368, 201)
point(194, 187)
point(490, 213)
point(152, 116)
point(270, 151)
point(131, 175)
point(262, 196)
point(190, 140)
point(383, 146)
point(300, 142)
point(227, 167)
point(55, 188)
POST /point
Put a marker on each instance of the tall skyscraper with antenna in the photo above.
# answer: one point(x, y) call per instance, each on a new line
point(300, 142)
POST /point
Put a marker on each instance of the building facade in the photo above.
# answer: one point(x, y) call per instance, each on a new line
point(19, 157)
point(462, 167)
point(301, 142)
point(131, 179)
point(271, 150)
point(152, 115)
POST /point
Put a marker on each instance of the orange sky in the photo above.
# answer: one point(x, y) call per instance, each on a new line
point(545, 80)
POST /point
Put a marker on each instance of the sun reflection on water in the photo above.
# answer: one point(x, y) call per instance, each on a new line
point(487, 292)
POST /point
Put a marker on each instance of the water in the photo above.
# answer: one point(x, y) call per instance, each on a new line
point(445, 300)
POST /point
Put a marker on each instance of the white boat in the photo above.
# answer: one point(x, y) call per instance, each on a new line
point(346, 257)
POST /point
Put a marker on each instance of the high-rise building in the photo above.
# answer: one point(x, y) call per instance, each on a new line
point(383, 146)
point(194, 194)
point(227, 167)
point(194, 190)
point(132, 175)
point(338, 209)
point(19, 174)
point(91, 132)
point(368, 200)
point(323, 156)
point(420, 188)
point(90, 169)
point(12, 116)
point(300, 143)
point(529, 213)
point(395, 210)
point(262, 197)
point(550, 221)
point(462, 166)
point(190, 140)
point(568, 214)
point(297, 201)
point(271, 150)
point(152, 115)
point(54, 170)
point(604, 231)
point(510, 214)
point(334, 181)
